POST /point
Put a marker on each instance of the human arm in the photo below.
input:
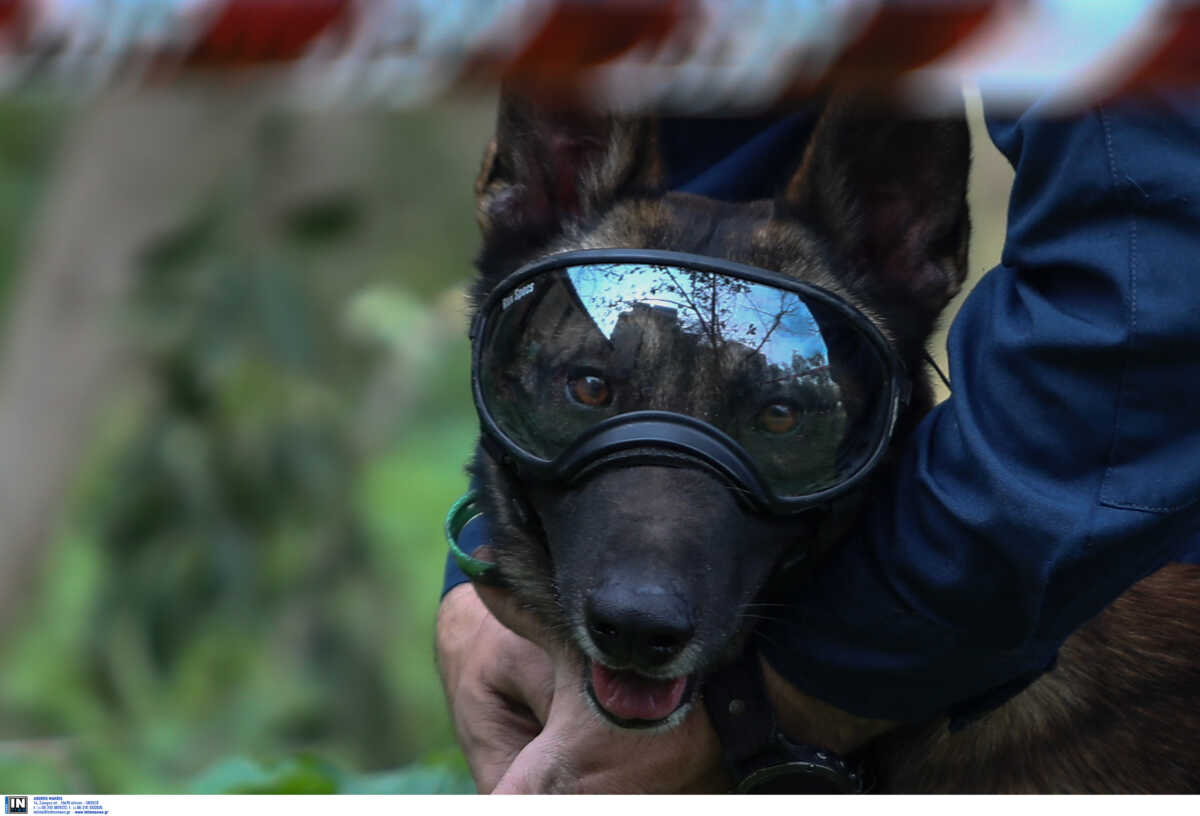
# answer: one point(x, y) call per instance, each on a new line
point(1066, 464)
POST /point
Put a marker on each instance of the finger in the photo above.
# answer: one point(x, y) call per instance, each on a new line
point(523, 687)
point(505, 607)
point(519, 669)
point(541, 767)
point(499, 684)
point(524, 675)
point(571, 732)
point(574, 749)
point(498, 735)
point(498, 711)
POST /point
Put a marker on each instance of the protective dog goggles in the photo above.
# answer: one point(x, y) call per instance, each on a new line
point(589, 358)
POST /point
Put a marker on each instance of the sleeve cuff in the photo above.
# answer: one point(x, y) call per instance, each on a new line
point(474, 535)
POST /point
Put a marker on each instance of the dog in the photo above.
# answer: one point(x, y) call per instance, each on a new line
point(643, 567)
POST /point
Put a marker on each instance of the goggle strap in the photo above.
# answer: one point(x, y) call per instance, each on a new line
point(945, 380)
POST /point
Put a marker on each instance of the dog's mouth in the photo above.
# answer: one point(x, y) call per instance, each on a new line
point(633, 700)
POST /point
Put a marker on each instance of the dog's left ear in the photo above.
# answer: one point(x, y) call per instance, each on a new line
point(548, 166)
point(889, 193)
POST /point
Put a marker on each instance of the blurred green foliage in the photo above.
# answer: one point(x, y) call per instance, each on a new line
point(240, 596)
point(307, 774)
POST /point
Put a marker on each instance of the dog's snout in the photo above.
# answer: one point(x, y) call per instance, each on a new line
point(640, 626)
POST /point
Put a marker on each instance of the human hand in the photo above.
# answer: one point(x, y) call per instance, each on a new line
point(498, 684)
point(578, 751)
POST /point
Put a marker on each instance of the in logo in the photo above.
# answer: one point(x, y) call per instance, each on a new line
point(16, 804)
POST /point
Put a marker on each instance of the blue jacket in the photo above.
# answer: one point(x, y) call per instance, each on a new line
point(1066, 464)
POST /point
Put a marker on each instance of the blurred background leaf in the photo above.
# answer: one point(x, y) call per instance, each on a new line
point(250, 558)
point(306, 774)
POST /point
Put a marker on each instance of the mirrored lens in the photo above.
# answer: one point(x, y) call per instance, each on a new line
point(798, 385)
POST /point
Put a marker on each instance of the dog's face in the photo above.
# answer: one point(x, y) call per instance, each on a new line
point(654, 571)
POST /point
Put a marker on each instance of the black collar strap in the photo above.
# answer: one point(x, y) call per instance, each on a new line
point(758, 757)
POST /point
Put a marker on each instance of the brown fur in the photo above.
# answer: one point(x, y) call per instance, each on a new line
point(1121, 710)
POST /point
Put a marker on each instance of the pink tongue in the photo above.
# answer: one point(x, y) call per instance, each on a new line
point(629, 696)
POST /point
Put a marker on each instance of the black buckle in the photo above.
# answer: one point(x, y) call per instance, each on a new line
point(802, 769)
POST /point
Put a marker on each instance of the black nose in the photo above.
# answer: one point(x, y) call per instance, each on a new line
point(640, 626)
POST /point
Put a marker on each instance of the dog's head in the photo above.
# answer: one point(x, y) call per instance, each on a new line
point(653, 569)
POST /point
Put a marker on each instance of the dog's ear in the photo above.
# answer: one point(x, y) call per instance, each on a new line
point(547, 166)
point(889, 193)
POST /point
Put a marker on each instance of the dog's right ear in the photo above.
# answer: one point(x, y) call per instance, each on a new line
point(547, 166)
point(890, 195)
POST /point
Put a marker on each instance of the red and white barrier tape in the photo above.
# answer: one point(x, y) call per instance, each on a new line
point(693, 56)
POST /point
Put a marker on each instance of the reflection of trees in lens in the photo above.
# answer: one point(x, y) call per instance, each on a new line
point(664, 366)
point(720, 349)
point(805, 459)
point(727, 322)
point(715, 308)
point(862, 378)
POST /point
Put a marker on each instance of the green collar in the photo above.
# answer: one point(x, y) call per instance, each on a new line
point(462, 513)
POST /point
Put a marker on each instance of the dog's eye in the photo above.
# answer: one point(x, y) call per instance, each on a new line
point(589, 390)
point(778, 418)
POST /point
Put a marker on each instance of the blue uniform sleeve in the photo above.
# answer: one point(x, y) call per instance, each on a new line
point(472, 537)
point(1066, 464)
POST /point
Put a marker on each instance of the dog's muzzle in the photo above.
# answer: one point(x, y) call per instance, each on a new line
point(782, 389)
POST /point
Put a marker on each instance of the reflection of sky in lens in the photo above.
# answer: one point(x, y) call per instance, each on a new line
point(746, 312)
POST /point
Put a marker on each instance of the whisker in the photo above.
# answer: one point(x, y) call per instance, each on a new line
point(765, 618)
